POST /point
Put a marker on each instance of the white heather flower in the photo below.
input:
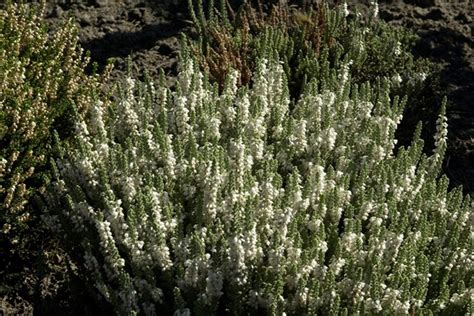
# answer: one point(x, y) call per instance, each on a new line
point(441, 135)
point(129, 188)
point(374, 304)
point(257, 127)
point(350, 241)
point(336, 214)
point(261, 85)
point(181, 115)
point(421, 76)
point(96, 123)
point(236, 256)
point(337, 265)
point(81, 128)
point(258, 147)
point(186, 75)
point(6, 228)
point(214, 124)
point(3, 164)
point(231, 88)
point(378, 153)
point(268, 194)
point(276, 258)
point(375, 9)
point(375, 221)
point(103, 150)
point(302, 296)
point(283, 221)
point(329, 136)
point(85, 168)
point(170, 159)
point(393, 246)
point(329, 97)
point(130, 84)
point(397, 79)
point(194, 270)
point(323, 246)
point(344, 75)
point(300, 135)
point(228, 113)
point(254, 190)
point(121, 262)
point(358, 292)
point(365, 110)
point(277, 82)
point(198, 95)
point(320, 174)
point(211, 182)
point(237, 149)
point(244, 105)
point(129, 120)
point(314, 225)
point(398, 48)
point(250, 240)
point(441, 206)
point(345, 10)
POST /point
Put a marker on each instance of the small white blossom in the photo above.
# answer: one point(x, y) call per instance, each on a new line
point(375, 8)
point(397, 79)
point(398, 48)
point(421, 76)
point(345, 10)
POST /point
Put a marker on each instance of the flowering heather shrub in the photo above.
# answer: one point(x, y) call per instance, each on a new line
point(239, 202)
point(41, 74)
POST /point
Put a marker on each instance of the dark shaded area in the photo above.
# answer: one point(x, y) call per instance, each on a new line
point(122, 44)
point(449, 47)
point(445, 31)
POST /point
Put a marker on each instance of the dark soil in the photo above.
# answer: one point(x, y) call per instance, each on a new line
point(149, 31)
point(446, 35)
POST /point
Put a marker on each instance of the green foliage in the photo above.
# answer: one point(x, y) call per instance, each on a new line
point(41, 76)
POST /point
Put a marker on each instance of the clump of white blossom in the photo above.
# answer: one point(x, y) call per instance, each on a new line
point(194, 202)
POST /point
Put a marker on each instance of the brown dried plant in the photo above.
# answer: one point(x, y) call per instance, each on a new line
point(228, 44)
point(226, 54)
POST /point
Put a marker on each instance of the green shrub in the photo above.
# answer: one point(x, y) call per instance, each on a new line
point(41, 76)
point(239, 203)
